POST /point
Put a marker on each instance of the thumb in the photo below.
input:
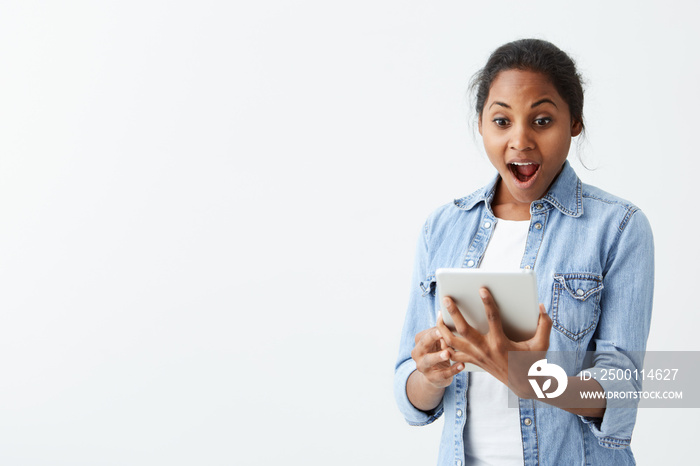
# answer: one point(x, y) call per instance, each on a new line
point(544, 327)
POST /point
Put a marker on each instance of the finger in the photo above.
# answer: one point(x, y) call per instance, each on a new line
point(428, 342)
point(444, 346)
point(449, 372)
point(493, 314)
point(455, 343)
point(460, 356)
point(544, 327)
point(432, 359)
point(424, 341)
point(421, 334)
point(446, 334)
point(461, 325)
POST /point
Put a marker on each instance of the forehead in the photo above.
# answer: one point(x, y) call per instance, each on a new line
point(521, 87)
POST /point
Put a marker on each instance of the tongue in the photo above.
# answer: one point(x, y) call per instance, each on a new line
point(526, 170)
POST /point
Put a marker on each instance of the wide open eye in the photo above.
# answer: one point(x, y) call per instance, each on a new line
point(542, 121)
point(501, 122)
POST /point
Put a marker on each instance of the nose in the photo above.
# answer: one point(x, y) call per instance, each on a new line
point(521, 138)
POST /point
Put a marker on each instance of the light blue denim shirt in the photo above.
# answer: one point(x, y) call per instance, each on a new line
point(593, 255)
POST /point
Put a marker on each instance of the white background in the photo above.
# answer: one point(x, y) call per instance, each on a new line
point(208, 213)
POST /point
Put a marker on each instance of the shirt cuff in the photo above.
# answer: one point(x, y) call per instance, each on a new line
point(413, 415)
point(614, 429)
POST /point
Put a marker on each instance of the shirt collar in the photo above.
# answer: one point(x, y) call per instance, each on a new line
point(565, 194)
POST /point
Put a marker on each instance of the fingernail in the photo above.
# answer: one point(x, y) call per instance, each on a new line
point(483, 293)
point(460, 367)
point(437, 333)
point(446, 302)
point(444, 355)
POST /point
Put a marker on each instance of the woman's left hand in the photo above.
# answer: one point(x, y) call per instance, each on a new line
point(490, 351)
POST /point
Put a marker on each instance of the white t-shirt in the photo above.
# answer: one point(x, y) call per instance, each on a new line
point(492, 431)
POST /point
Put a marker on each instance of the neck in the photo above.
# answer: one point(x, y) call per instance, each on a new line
point(507, 207)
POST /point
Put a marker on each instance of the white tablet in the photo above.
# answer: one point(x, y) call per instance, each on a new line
point(515, 294)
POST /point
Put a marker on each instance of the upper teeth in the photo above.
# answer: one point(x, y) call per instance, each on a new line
point(522, 163)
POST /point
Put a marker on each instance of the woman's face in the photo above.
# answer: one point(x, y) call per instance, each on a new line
point(527, 129)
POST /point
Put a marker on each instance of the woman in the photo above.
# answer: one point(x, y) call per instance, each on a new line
point(592, 253)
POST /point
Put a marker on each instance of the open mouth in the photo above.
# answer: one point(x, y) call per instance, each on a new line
point(523, 171)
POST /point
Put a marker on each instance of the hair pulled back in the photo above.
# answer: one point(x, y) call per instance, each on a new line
point(532, 55)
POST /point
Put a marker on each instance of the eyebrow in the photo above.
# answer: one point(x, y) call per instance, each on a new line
point(543, 101)
point(539, 102)
point(499, 103)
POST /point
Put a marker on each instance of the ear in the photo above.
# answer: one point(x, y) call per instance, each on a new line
point(479, 123)
point(576, 128)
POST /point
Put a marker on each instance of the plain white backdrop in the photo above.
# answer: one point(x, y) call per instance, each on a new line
point(208, 212)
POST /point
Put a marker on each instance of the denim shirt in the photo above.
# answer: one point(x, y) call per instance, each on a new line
point(593, 255)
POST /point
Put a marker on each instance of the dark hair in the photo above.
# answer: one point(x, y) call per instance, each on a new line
point(532, 55)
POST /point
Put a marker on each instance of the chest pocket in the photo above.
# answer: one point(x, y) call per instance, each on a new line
point(575, 300)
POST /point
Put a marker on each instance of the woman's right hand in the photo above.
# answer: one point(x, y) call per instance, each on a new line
point(432, 357)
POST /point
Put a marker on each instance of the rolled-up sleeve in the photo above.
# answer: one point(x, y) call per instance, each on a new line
point(621, 335)
point(419, 316)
